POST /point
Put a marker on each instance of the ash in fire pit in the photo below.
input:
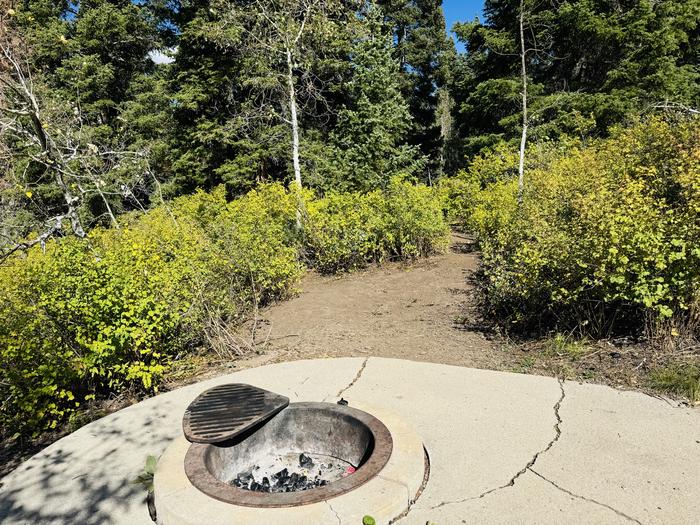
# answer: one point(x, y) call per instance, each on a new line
point(292, 472)
point(308, 452)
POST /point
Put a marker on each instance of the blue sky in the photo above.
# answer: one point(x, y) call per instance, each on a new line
point(461, 11)
point(455, 11)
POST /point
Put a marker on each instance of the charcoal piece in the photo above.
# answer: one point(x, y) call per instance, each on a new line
point(282, 473)
point(305, 461)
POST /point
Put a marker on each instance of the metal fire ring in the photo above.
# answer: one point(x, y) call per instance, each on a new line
point(204, 480)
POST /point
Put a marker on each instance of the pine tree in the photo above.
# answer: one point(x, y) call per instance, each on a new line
point(231, 79)
point(591, 64)
point(370, 136)
point(423, 51)
point(83, 60)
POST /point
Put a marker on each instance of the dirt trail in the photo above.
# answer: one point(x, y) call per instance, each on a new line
point(398, 310)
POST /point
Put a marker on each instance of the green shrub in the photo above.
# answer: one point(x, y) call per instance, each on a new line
point(416, 226)
point(90, 318)
point(86, 318)
point(608, 232)
point(345, 231)
point(258, 235)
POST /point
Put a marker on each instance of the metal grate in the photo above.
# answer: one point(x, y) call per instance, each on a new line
point(225, 411)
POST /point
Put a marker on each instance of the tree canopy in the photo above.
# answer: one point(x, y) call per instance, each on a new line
point(335, 93)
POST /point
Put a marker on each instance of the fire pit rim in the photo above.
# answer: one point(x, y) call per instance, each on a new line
point(200, 476)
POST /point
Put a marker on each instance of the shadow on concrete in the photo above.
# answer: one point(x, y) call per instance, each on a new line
point(88, 479)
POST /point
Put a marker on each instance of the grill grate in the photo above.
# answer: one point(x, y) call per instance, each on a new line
point(225, 411)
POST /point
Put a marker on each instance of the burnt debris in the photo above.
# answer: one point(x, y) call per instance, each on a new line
point(310, 475)
point(282, 481)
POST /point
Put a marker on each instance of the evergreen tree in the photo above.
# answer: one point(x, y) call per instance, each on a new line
point(590, 63)
point(231, 80)
point(423, 50)
point(370, 135)
point(213, 142)
point(83, 60)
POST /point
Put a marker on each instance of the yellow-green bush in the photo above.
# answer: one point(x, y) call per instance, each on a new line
point(415, 223)
point(608, 233)
point(89, 318)
point(345, 231)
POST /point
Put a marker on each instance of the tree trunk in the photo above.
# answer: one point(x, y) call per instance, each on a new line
point(295, 123)
point(523, 138)
point(295, 132)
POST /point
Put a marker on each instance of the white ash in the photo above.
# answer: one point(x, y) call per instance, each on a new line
point(292, 472)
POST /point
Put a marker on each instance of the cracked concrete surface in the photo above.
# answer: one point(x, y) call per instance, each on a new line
point(334, 512)
point(357, 377)
point(578, 496)
point(540, 451)
point(419, 492)
point(530, 464)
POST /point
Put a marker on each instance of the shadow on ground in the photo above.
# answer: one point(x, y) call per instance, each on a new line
point(86, 480)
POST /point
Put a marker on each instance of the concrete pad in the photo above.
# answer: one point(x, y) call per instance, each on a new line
point(496, 455)
point(532, 501)
point(629, 450)
point(490, 422)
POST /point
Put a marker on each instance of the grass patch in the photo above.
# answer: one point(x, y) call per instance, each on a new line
point(678, 379)
point(566, 345)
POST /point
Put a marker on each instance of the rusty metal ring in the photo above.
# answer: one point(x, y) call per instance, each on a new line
point(200, 476)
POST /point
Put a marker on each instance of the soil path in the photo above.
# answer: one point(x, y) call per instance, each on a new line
point(398, 310)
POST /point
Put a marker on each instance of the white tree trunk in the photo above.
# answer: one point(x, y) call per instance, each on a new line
point(523, 138)
point(295, 133)
point(295, 123)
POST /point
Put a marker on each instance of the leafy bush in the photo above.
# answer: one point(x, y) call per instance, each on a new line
point(86, 319)
point(345, 231)
point(90, 318)
point(608, 232)
point(415, 223)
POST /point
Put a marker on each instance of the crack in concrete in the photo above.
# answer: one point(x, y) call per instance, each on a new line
point(357, 377)
point(337, 516)
point(409, 502)
point(412, 502)
point(662, 398)
point(531, 463)
point(584, 498)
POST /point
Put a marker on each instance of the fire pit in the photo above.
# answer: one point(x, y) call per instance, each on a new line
point(308, 452)
point(251, 457)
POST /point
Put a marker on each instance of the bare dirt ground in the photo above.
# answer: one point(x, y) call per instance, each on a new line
point(407, 311)
point(424, 311)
